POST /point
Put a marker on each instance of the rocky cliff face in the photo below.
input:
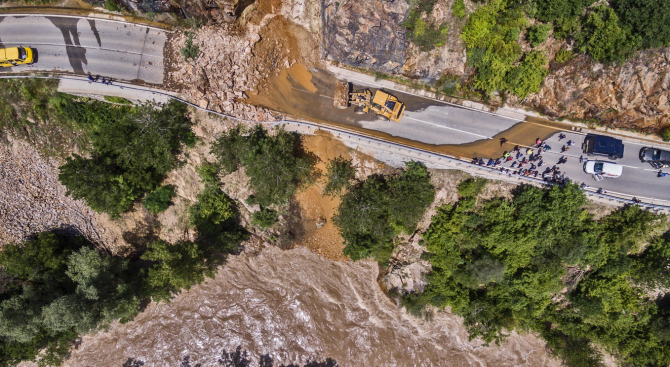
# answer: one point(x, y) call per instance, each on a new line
point(365, 33)
point(632, 96)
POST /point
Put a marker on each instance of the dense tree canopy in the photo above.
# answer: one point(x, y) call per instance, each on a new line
point(603, 37)
point(339, 176)
point(541, 262)
point(133, 148)
point(276, 164)
point(55, 288)
point(649, 19)
point(375, 211)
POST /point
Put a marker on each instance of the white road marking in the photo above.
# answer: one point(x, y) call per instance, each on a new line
point(446, 127)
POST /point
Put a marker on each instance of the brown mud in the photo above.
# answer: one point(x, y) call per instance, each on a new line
point(291, 92)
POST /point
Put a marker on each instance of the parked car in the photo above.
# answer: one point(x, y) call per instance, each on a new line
point(656, 157)
point(14, 56)
point(603, 145)
point(602, 169)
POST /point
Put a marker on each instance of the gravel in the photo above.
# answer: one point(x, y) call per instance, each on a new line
point(32, 200)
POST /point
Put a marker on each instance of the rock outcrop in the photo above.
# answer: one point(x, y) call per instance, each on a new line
point(631, 96)
point(365, 33)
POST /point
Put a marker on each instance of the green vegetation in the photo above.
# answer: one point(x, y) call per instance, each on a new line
point(55, 288)
point(603, 37)
point(119, 100)
point(528, 76)
point(375, 211)
point(276, 164)
point(564, 55)
point(424, 35)
point(133, 148)
point(265, 218)
point(29, 110)
point(538, 33)
point(552, 10)
point(159, 200)
point(111, 5)
point(339, 175)
point(458, 10)
point(665, 133)
point(190, 51)
point(649, 19)
point(539, 262)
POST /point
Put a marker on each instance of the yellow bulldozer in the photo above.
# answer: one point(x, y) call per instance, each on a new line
point(386, 106)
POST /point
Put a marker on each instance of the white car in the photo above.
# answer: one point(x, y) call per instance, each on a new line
point(601, 169)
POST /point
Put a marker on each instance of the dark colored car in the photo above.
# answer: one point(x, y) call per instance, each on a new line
point(656, 157)
point(603, 145)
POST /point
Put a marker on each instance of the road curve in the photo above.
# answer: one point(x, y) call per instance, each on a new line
point(77, 45)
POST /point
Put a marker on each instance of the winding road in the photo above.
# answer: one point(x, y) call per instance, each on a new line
point(107, 48)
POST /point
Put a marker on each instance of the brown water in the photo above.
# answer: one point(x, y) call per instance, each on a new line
point(295, 305)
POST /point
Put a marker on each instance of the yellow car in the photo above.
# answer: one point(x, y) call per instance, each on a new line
point(14, 56)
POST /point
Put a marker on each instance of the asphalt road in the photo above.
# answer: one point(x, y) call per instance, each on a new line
point(100, 47)
point(637, 180)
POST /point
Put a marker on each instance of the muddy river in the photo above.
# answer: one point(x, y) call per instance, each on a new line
point(295, 306)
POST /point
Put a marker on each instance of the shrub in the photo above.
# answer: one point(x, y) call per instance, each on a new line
point(603, 37)
point(648, 19)
point(119, 100)
point(550, 10)
point(159, 200)
point(528, 76)
point(458, 9)
point(276, 165)
point(209, 173)
point(376, 210)
point(339, 174)
point(190, 51)
point(665, 133)
point(564, 55)
point(265, 218)
point(538, 33)
point(111, 5)
point(215, 217)
point(425, 36)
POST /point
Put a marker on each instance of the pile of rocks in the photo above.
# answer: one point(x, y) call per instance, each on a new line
point(32, 200)
point(224, 71)
point(405, 273)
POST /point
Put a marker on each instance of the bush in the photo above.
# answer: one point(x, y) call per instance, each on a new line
point(509, 263)
point(111, 5)
point(665, 133)
point(276, 165)
point(215, 217)
point(209, 173)
point(425, 36)
point(458, 9)
point(527, 78)
point(119, 100)
point(538, 33)
point(133, 150)
point(265, 218)
point(159, 200)
point(564, 55)
point(339, 174)
point(648, 19)
point(603, 37)
point(378, 209)
point(550, 10)
point(190, 51)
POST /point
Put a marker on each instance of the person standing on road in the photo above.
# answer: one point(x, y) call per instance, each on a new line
point(662, 174)
point(561, 136)
point(529, 151)
point(502, 141)
point(582, 159)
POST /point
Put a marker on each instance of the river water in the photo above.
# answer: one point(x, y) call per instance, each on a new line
point(295, 305)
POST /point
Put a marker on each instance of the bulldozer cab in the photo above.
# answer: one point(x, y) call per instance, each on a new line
point(387, 106)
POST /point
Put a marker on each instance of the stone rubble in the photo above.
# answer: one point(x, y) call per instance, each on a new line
point(228, 69)
point(32, 200)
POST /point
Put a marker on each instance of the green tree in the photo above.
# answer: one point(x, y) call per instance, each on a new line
point(538, 33)
point(276, 164)
point(458, 10)
point(648, 19)
point(604, 38)
point(375, 211)
point(133, 150)
point(159, 200)
point(540, 262)
point(527, 78)
point(215, 216)
point(265, 218)
point(339, 175)
point(550, 10)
